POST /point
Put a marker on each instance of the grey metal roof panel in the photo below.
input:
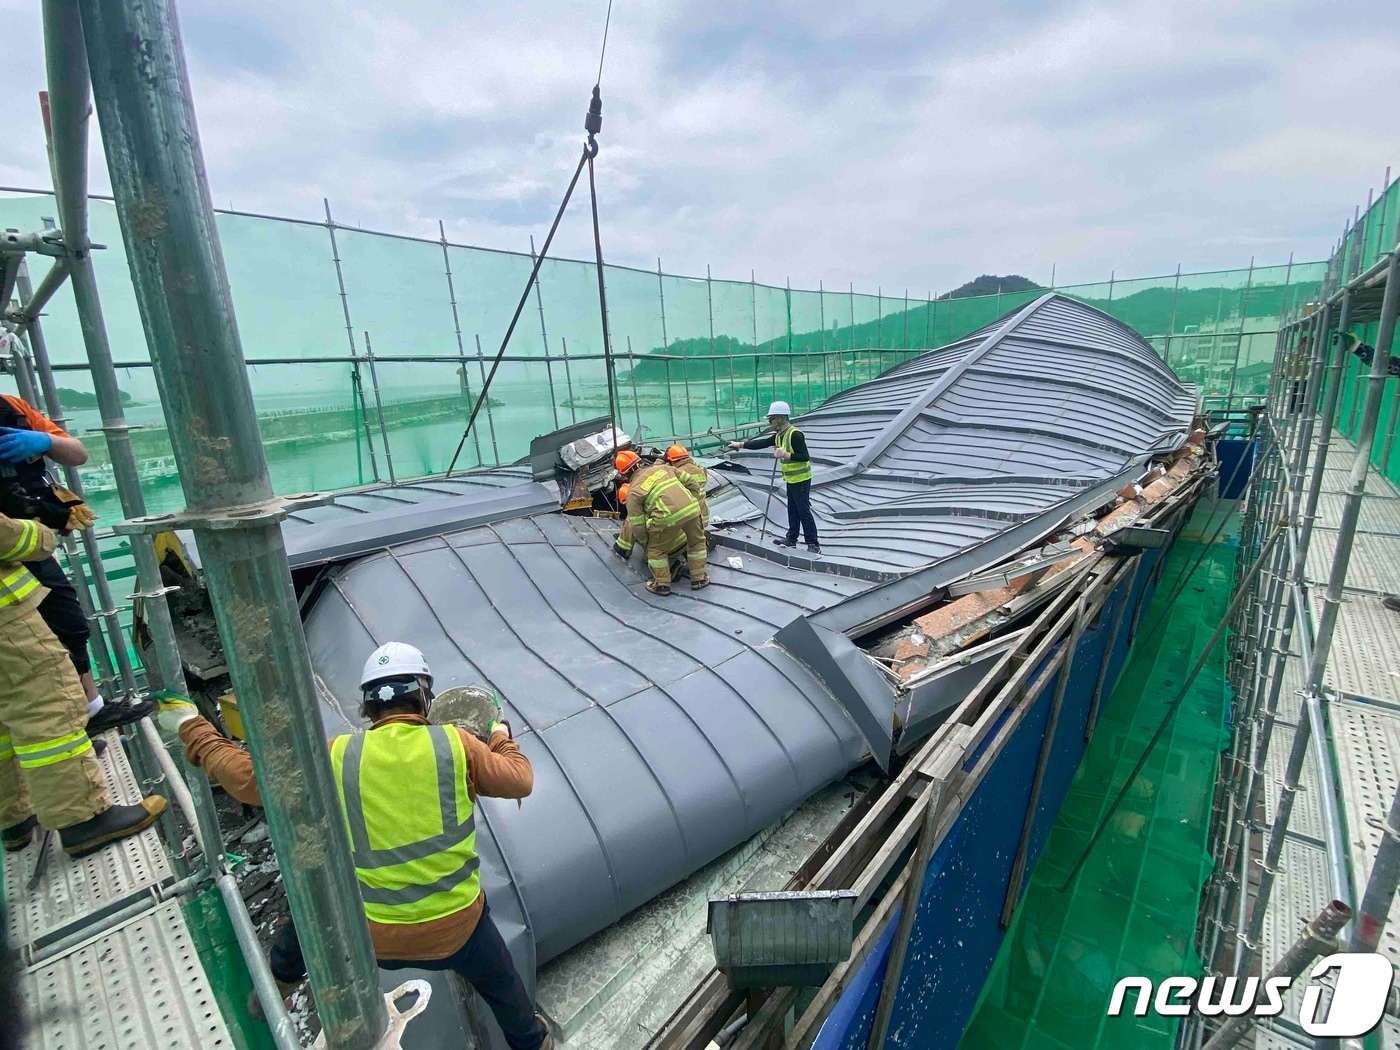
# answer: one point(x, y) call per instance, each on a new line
point(659, 729)
point(664, 731)
point(374, 498)
point(1055, 391)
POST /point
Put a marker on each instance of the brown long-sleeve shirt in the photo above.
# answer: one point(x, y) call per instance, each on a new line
point(495, 770)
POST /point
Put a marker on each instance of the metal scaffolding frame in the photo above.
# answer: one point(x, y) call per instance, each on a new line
point(152, 148)
point(1285, 640)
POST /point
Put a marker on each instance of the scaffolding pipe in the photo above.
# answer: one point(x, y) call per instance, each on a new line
point(1385, 871)
point(279, 1022)
point(1288, 604)
point(1319, 936)
point(1322, 642)
point(66, 110)
point(457, 330)
point(1360, 467)
point(101, 611)
point(157, 170)
point(1325, 428)
point(379, 409)
point(47, 287)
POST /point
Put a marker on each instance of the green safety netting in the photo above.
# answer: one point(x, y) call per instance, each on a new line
point(1132, 909)
point(692, 352)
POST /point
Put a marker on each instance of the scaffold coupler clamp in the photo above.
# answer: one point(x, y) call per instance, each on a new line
point(1388, 830)
point(398, 1019)
point(593, 121)
point(246, 516)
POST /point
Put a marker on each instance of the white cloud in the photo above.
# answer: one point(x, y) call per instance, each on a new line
point(892, 144)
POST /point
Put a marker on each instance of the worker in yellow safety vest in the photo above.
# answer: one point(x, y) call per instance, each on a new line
point(789, 446)
point(693, 476)
point(664, 517)
point(408, 793)
point(49, 774)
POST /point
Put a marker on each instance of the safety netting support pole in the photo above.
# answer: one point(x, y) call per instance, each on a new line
point(148, 128)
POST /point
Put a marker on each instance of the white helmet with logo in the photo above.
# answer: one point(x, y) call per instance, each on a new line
point(394, 660)
point(780, 408)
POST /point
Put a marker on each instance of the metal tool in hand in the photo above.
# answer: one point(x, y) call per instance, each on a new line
point(772, 484)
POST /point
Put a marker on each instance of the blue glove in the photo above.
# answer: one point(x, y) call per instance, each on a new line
point(16, 446)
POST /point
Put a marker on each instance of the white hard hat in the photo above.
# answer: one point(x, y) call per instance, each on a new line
point(780, 408)
point(393, 659)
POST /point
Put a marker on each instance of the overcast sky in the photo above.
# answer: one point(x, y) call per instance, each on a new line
point(913, 143)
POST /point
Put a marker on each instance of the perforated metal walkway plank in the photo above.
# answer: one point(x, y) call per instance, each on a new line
point(72, 893)
point(1363, 673)
point(1374, 568)
point(139, 983)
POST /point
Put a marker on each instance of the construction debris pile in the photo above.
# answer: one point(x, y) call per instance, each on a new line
point(969, 618)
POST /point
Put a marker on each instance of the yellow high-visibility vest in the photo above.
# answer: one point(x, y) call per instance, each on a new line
point(403, 790)
point(793, 472)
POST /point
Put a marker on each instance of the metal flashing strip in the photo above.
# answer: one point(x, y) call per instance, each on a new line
point(139, 985)
point(863, 691)
point(985, 345)
point(72, 893)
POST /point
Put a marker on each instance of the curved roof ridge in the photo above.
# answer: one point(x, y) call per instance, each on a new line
point(896, 426)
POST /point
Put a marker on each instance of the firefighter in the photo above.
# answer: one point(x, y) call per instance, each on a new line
point(623, 546)
point(789, 445)
point(413, 843)
point(28, 439)
point(664, 518)
point(693, 475)
point(48, 772)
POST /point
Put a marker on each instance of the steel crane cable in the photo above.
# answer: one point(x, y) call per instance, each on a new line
point(593, 124)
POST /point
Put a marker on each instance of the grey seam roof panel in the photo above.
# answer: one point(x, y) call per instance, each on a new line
point(665, 731)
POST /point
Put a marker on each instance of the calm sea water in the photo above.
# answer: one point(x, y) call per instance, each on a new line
point(339, 461)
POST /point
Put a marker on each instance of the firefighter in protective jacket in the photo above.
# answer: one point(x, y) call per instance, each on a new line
point(664, 517)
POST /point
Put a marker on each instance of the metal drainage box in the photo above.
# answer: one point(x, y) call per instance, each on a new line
point(771, 940)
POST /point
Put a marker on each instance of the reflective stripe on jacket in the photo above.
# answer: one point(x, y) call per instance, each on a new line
point(657, 498)
point(694, 478)
point(21, 541)
point(794, 470)
point(403, 789)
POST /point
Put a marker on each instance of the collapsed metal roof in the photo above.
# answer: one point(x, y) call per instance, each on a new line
point(665, 731)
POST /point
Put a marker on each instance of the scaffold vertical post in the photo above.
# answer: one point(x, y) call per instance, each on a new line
point(1381, 886)
point(143, 99)
point(457, 331)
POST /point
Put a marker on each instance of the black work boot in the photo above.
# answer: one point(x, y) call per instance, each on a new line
point(815, 548)
point(112, 824)
point(658, 588)
point(699, 584)
point(17, 836)
point(1391, 602)
point(781, 542)
point(115, 714)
